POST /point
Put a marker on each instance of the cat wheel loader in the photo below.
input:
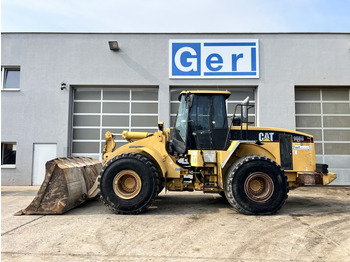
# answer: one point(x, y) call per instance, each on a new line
point(252, 167)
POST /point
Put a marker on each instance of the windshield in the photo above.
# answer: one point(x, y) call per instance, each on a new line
point(181, 120)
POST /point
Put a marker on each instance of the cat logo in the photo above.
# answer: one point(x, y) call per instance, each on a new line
point(266, 137)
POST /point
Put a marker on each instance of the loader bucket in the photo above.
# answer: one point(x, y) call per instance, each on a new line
point(66, 185)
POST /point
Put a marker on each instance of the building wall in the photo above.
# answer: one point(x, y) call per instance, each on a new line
point(40, 112)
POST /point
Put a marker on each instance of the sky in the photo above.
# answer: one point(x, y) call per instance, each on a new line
point(175, 16)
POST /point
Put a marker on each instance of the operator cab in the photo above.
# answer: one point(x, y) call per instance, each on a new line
point(201, 122)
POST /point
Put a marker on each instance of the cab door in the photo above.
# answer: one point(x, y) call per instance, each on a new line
point(200, 136)
point(208, 122)
point(219, 122)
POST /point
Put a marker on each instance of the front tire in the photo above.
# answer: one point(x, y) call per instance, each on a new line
point(256, 185)
point(129, 183)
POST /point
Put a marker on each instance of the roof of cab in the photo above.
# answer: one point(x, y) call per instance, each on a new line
point(206, 92)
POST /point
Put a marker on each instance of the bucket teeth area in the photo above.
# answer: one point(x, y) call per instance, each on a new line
point(66, 185)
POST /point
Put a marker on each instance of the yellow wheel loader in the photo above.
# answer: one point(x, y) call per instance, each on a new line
point(253, 167)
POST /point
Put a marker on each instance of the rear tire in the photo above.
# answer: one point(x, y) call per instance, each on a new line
point(256, 185)
point(129, 183)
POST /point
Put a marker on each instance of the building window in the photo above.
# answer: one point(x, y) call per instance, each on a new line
point(10, 78)
point(8, 154)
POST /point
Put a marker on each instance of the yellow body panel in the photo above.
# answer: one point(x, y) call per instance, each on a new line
point(304, 157)
point(328, 178)
point(154, 145)
point(254, 149)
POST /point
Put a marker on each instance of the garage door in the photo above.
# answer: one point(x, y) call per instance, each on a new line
point(97, 110)
point(325, 113)
point(237, 96)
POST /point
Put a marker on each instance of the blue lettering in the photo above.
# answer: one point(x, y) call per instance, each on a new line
point(235, 58)
point(186, 59)
point(253, 62)
point(214, 62)
point(213, 58)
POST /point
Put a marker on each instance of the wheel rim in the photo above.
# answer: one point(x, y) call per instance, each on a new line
point(259, 187)
point(127, 184)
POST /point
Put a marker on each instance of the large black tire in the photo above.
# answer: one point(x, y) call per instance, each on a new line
point(256, 185)
point(129, 183)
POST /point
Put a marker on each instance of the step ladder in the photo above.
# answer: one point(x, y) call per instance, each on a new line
point(210, 186)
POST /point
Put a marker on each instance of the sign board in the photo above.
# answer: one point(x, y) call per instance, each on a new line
point(228, 58)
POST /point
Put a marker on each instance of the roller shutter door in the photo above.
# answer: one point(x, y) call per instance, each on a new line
point(97, 110)
point(325, 113)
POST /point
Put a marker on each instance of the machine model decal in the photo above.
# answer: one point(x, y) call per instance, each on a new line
point(298, 138)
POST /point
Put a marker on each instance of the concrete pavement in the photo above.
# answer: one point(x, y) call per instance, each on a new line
point(313, 225)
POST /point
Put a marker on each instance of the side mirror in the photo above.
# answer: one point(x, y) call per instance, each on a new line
point(244, 106)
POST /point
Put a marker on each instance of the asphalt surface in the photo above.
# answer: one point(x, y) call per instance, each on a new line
point(313, 225)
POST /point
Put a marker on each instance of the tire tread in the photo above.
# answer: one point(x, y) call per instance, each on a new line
point(230, 175)
point(146, 161)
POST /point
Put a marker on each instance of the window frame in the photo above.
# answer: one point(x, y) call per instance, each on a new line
point(2, 155)
point(5, 69)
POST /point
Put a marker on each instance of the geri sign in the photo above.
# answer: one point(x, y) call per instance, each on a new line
point(214, 58)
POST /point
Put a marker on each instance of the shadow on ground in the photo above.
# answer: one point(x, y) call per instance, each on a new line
point(212, 203)
point(303, 202)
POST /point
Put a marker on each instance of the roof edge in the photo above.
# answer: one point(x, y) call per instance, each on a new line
point(183, 33)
